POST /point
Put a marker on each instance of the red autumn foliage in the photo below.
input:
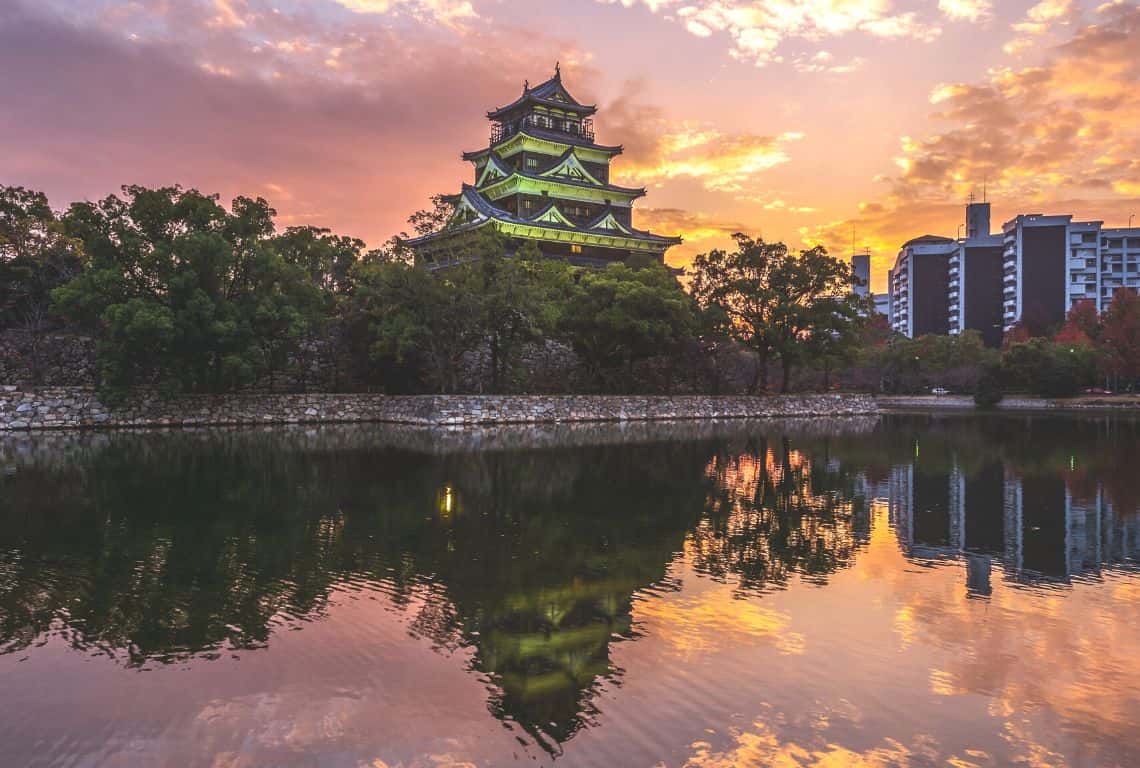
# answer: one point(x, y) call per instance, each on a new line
point(1082, 325)
point(1120, 335)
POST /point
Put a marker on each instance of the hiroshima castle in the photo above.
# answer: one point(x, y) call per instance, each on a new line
point(543, 179)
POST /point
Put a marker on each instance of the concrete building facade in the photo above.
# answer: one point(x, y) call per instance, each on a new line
point(919, 286)
point(1031, 274)
point(1052, 263)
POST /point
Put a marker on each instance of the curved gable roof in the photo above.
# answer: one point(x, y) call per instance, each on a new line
point(550, 93)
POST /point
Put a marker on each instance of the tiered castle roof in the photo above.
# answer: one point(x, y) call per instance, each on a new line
point(542, 177)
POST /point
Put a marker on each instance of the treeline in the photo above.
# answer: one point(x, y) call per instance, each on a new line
point(1090, 352)
point(187, 296)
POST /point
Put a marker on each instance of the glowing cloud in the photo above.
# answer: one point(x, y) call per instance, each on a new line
point(966, 10)
point(757, 28)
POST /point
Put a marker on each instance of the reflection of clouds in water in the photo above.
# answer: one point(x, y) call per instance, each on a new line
point(715, 619)
point(767, 591)
point(1045, 652)
point(762, 745)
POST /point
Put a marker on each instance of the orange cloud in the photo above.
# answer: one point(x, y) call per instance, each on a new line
point(1060, 137)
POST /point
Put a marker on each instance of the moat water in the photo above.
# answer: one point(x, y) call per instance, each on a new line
point(889, 591)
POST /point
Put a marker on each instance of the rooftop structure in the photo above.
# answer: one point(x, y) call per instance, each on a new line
point(542, 178)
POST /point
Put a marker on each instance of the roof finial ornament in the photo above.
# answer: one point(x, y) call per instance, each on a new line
point(526, 85)
point(557, 71)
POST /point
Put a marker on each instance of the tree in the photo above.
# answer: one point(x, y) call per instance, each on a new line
point(834, 336)
point(913, 365)
point(320, 290)
point(734, 291)
point(436, 218)
point(1120, 336)
point(414, 316)
point(817, 313)
point(36, 256)
point(619, 315)
point(1082, 324)
point(988, 392)
point(771, 301)
point(1043, 368)
point(510, 297)
point(185, 295)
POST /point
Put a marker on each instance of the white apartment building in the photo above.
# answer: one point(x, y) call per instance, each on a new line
point(1050, 263)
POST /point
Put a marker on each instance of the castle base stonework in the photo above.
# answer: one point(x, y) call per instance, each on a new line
point(80, 408)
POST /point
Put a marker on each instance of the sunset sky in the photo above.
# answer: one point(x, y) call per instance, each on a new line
point(797, 121)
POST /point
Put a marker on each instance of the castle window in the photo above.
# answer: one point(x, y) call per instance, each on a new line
point(575, 249)
point(532, 162)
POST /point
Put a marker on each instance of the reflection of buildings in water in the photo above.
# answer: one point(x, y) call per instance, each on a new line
point(1034, 524)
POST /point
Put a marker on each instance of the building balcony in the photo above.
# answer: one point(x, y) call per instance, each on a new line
point(583, 129)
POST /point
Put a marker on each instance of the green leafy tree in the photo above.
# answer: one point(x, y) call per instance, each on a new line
point(817, 313)
point(735, 292)
point(1044, 368)
point(619, 315)
point(413, 316)
point(772, 301)
point(509, 291)
point(185, 295)
point(36, 256)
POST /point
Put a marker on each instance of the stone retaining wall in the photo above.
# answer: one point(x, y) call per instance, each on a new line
point(71, 408)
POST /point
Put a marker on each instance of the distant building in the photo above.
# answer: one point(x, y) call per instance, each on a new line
point(861, 265)
point(974, 287)
point(1051, 263)
point(1033, 269)
point(919, 286)
point(1031, 274)
point(883, 304)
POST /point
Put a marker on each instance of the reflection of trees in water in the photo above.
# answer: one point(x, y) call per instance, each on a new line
point(776, 510)
point(155, 549)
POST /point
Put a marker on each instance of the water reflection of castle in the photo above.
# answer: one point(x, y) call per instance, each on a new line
point(1034, 524)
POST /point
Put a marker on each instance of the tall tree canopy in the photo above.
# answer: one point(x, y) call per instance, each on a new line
point(184, 294)
point(775, 302)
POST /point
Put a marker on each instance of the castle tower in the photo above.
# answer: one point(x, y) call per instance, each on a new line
point(544, 179)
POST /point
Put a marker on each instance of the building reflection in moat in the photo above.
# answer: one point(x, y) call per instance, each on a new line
point(160, 548)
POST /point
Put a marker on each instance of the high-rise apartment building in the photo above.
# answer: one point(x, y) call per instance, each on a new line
point(974, 300)
point(919, 286)
point(1031, 275)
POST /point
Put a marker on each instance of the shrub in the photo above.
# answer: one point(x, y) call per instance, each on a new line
point(988, 391)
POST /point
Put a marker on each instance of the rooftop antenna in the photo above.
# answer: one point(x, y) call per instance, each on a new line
point(985, 178)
